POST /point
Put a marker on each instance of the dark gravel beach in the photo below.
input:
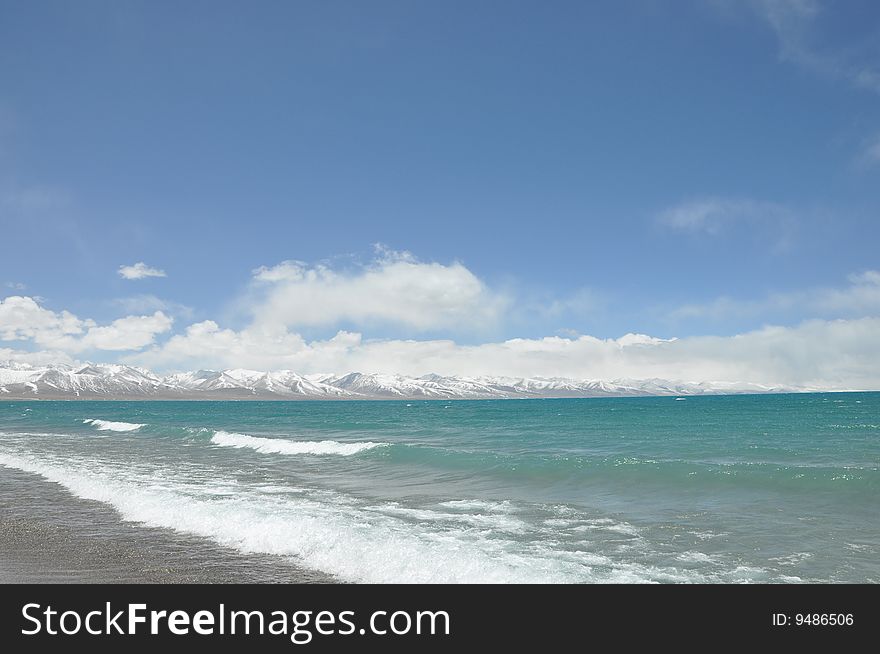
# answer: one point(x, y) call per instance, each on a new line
point(49, 536)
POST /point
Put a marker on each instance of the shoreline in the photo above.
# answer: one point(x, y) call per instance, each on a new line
point(48, 535)
point(408, 398)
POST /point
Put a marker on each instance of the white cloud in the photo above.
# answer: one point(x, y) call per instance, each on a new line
point(145, 303)
point(23, 319)
point(399, 289)
point(15, 286)
point(797, 25)
point(871, 153)
point(29, 200)
point(395, 289)
point(861, 297)
point(866, 277)
point(205, 344)
point(712, 215)
point(140, 270)
point(791, 20)
point(582, 302)
point(129, 333)
point(284, 272)
point(868, 78)
point(39, 358)
point(828, 354)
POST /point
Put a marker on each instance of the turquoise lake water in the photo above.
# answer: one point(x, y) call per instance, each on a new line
point(757, 488)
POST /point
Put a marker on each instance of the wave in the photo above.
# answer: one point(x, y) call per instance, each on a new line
point(284, 446)
point(499, 522)
point(337, 534)
point(661, 472)
point(479, 506)
point(109, 425)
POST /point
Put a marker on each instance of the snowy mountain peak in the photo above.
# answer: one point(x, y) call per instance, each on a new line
point(116, 381)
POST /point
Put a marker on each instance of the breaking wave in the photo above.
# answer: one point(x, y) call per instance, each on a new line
point(283, 446)
point(109, 425)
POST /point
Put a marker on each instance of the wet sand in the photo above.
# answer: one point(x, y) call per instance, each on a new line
point(49, 536)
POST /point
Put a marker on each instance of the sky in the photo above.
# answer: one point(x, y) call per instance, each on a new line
point(685, 190)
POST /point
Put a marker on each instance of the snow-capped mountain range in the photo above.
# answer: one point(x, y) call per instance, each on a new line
point(114, 381)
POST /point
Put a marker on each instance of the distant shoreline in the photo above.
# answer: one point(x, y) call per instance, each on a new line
point(263, 398)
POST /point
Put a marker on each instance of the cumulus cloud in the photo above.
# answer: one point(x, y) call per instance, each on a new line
point(140, 270)
point(399, 289)
point(24, 319)
point(129, 333)
point(826, 354)
point(206, 344)
point(395, 289)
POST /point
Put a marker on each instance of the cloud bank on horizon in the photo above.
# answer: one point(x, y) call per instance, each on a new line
point(606, 190)
point(399, 290)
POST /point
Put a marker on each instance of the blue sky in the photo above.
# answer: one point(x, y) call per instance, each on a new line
point(683, 169)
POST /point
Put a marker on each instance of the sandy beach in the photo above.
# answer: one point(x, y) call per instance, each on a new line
point(49, 536)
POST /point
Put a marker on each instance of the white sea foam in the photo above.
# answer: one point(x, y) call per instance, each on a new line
point(480, 505)
point(338, 534)
point(352, 538)
point(285, 446)
point(597, 525)
point(560, 522)
point(696, 557)
point(109, 425)
point(500, 522)
point(623, 528)
point(323, 535)
point(792, 559)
